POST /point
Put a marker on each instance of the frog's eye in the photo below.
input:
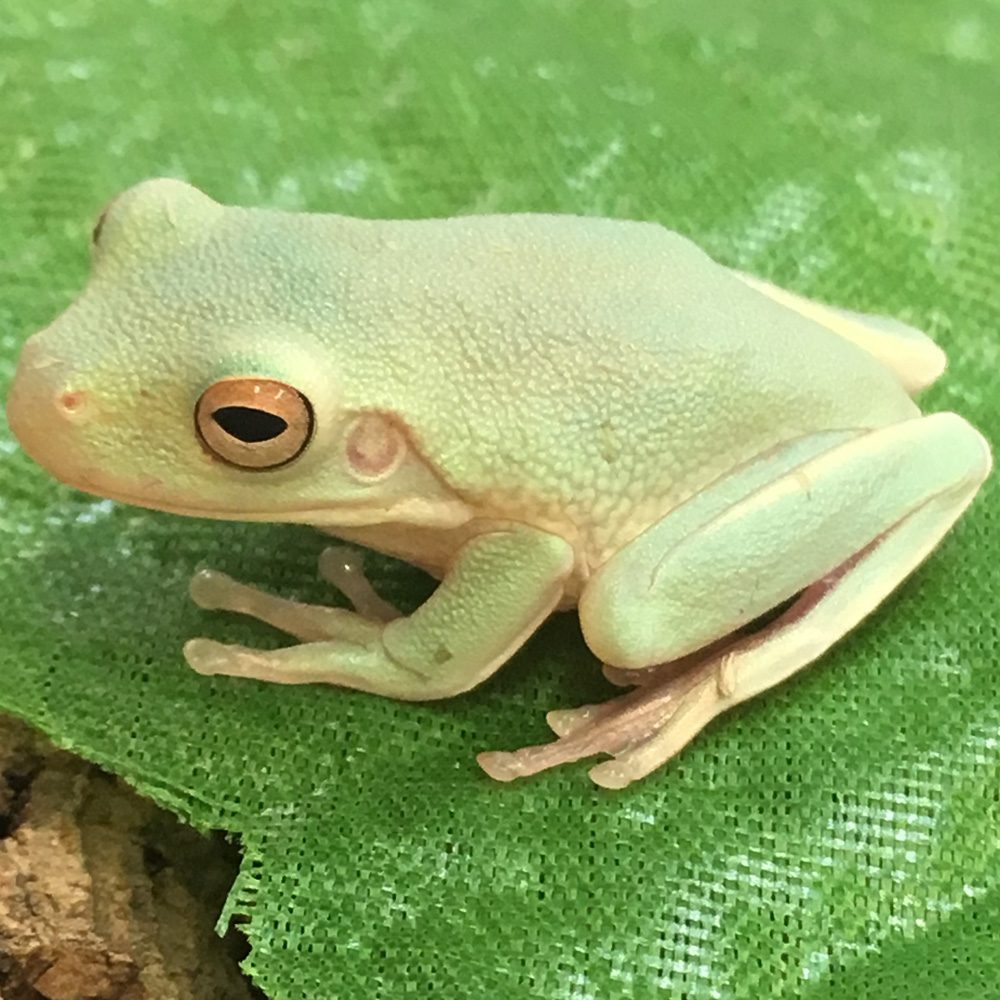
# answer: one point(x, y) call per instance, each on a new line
point(254, 423)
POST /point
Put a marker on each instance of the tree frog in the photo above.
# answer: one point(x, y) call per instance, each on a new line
point(542, 411)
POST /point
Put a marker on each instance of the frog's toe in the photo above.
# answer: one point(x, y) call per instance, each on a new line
point(563, 721)
point(212, 590)
point(344, 568)
point(208, 657)
point(622, 677)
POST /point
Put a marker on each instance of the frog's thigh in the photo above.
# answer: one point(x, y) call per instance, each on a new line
point(741, 547)
point(909, 353)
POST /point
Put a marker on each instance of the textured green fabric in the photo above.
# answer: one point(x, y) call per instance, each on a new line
point(836, 838)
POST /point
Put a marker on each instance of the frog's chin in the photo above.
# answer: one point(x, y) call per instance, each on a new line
point(407, 510)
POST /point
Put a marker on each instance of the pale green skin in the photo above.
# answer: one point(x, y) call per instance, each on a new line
point(594, 413)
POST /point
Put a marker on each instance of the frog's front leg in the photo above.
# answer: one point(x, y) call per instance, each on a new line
point(843, 524)
point(500, 587)
point(338, 564)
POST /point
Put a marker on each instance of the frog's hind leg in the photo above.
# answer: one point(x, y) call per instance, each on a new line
point(628, 677)
point(908, 353)
point(878, 503)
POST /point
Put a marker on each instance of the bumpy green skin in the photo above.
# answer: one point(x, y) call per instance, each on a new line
point(591, 411)
point(582, 375)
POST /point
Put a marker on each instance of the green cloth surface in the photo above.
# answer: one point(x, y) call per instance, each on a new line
point(836, 838)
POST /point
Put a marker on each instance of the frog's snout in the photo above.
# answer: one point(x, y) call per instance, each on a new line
point(46, 407)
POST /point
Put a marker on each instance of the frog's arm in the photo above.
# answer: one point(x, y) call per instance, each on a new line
point(500, 588)
point(907, 352)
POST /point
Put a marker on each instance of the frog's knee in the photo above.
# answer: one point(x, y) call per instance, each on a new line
point(620, 633)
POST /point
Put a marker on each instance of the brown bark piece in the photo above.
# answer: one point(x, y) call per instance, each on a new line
point(102, 895)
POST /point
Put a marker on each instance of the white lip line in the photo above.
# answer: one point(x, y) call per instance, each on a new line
point(208, 512)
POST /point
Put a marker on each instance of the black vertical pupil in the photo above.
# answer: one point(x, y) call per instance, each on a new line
point(248, 424)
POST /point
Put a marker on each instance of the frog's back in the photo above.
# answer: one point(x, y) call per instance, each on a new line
point(578, 371)
point(640, 303)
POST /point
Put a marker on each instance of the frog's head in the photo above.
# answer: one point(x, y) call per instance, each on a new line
point(193, 374)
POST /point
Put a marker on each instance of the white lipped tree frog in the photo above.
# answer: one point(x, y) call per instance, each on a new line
point(541, 411)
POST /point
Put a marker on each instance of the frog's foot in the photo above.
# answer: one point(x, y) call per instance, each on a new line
point(644, 728)
point(641, 730)
point(215, 591)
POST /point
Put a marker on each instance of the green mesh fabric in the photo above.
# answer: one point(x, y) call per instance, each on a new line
point(837, 838)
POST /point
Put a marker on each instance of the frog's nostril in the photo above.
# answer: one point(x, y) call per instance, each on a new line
point(72, 402)
point(45, 401)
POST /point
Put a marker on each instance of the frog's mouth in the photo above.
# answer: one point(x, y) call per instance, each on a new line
point(152, 493)
point(416, 511)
